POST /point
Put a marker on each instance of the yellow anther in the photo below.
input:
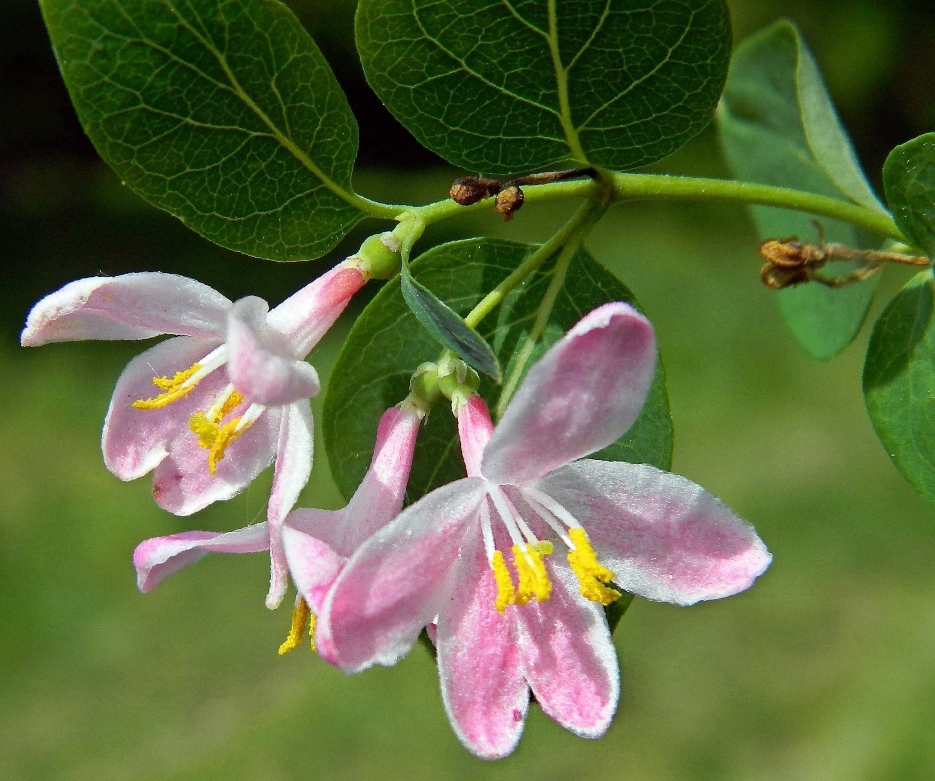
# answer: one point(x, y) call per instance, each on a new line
point(301, 615)
point(312, 623)
point(506, 595)
point(231, 403)
point(225, 435)
point(173, 389)
point(592, 575)
point(530, 567)
point(207, 431)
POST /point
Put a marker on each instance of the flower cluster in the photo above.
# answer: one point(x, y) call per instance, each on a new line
point(508, 569)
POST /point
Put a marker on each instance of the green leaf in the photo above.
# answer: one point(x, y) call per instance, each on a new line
point(224, 114)
point(387, 343)
point(909, 181)
point(447, 327)
point(779, 127)
point(899, 382)
point(500, 88)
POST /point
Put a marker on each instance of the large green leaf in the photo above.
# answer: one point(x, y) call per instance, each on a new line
point(499, 88)
point(899, 382)
point(909, 180)
point(779, 127)
point(224, 114)
point(387, 343)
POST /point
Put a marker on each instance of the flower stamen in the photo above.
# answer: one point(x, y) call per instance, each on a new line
point(592, 575)
point(302, 617)
point(506, 594)
point(183, 382)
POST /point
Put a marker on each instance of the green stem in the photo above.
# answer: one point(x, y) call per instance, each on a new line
point(645, 187)
point(580, 223)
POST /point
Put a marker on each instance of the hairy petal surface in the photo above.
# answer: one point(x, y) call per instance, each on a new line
point(135, 441)
point(291, 473)
point(130, 306)
point(568, 656)
point(400, 578)
point(313, 563)
point(479, 663)
point(157, 558)
point(264, 371)
point(582, 395)
point(664, 537)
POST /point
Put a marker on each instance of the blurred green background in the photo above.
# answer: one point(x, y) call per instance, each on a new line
point(824, 670)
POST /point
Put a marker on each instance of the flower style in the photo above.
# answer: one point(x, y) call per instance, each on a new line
point(541, 626)
point(316, 542)
point(204, 433)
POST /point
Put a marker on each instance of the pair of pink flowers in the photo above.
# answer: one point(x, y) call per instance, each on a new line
point(508, 568)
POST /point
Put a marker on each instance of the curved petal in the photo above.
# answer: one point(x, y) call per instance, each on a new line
point(182, 483)
point(569, 659)
point(135, 441)
point(399, 579)
point(131, 306)
point(157, 558)
point(263, 371)
point(664, 537)
point(583, 394)
point(313, 564)
point(479, 663)
point(293, 467)
point(304, 317)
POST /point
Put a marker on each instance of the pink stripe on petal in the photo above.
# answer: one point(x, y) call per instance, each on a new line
point(131, 306)
point(400, 578)
point(157, 558)
point(265, 372)
point(135, 441)
point(474, 430)
point(569, 659)
point(583, 394)
point(664, 537)
point(479, 663)
point(304, 317)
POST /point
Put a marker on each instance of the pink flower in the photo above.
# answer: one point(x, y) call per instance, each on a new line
point(204, 433)
point(539, 624)
point(316, 542)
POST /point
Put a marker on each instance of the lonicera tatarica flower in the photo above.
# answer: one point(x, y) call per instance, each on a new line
point(514, 563)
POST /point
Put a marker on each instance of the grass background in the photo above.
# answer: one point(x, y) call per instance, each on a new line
point(824, 670)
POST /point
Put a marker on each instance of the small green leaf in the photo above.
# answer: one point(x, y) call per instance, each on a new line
point(224, 114)
point(909, 181)
point(447, 327)
point(387, 343)
point(779, 127)
point(899, 382)
point(500, 88)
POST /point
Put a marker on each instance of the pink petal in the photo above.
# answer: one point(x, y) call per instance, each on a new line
point(568, 656)
point(182, 483)
point(293, 467)
point(135, 441)
point(313, 564)
point(131, 306)
point(474, 430)
point(305, 316)
point(157, 558)
point(399, 579)
point(583, 394)
point(266, 372)
point(479, 663)
point(664, 537)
